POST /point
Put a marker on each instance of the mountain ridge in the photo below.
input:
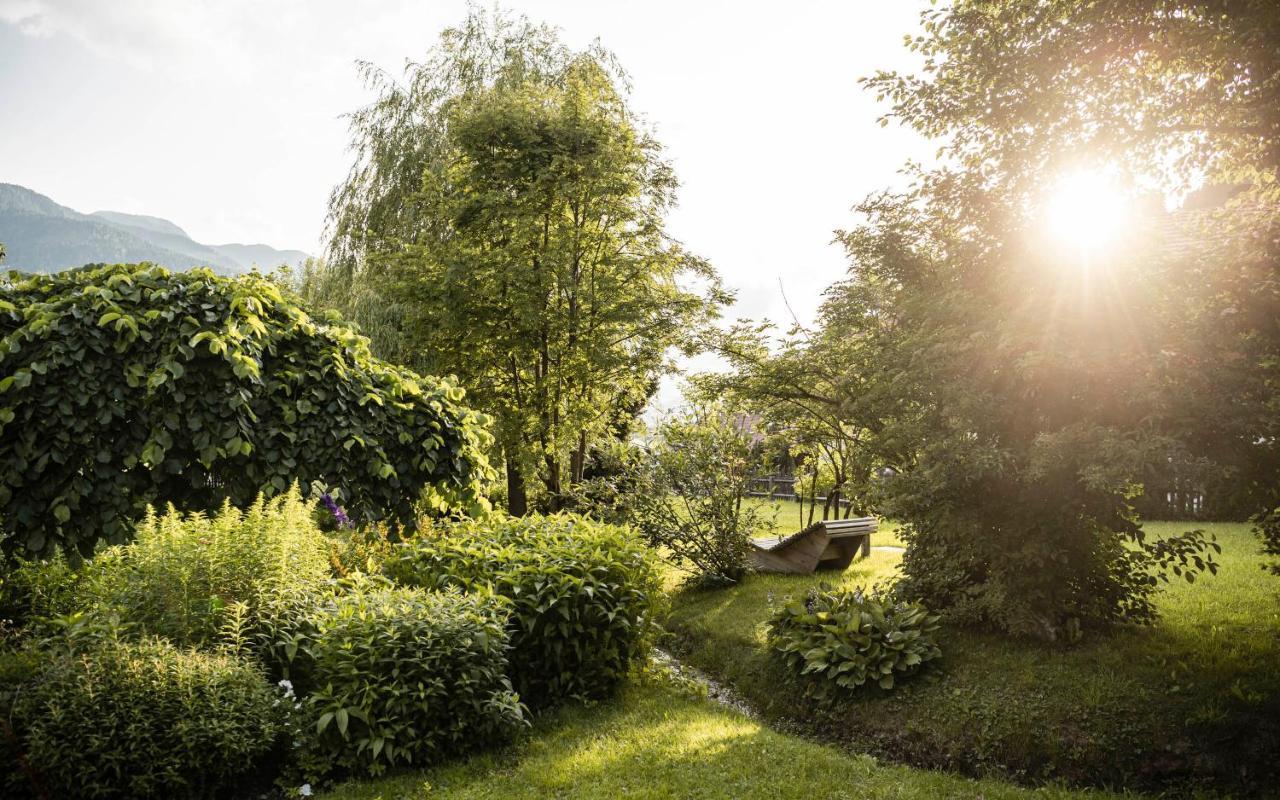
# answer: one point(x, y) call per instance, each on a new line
point(41, 235)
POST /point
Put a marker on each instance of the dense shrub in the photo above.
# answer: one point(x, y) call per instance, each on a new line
point(193, 577)
point(583, 594)
point(146, 719)
point(130, 385)
point(17, 668)
point(836, 640)
point(395, 676)
point(32, 590)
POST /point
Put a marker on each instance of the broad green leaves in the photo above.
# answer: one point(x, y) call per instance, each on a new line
point(837, 641)
point(130, 385)
point(583, 596)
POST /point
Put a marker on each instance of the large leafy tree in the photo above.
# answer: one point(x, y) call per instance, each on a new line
point(129, 385)
point(504, 222)
point(1021, 391)
point(1175, 92)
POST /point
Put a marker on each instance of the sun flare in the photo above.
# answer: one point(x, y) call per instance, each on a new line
point(1087, 210)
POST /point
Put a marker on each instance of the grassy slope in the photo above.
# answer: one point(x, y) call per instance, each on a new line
point(1195, 697)
point(655, 743)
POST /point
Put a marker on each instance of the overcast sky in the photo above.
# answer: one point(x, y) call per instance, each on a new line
point(225, 117)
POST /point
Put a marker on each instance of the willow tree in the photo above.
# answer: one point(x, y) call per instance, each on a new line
point(505, 221)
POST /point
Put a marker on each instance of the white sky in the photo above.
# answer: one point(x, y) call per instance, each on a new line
point(224, 115)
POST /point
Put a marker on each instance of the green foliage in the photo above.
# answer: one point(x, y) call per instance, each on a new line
point(505, 222)
point(188, 577)
point(32, 590)
point(130, 385)
point(841, 639)
point(146, 719)
point(17, 669)
point(1186, 702)
point(690, 493)
point(362, 549)
point(1021, 390)
point(583, 594)
point(394, 676)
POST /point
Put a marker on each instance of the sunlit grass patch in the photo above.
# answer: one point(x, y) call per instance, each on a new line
point(654, 743)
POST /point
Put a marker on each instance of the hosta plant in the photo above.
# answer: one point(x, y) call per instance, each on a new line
point(839, 640)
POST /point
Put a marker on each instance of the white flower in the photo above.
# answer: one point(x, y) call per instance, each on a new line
point(305, 790)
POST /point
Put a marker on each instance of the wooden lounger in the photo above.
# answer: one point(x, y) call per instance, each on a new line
point(829, 544)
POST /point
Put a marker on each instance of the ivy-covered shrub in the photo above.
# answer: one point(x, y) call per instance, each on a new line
point(195, 578)
point(583, 594)
point(146, 719)
point(839, 640)
point(395, 676)
point(128, 385)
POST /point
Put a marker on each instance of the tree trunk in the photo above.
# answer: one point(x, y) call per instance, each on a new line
point(517, 498)
point(554, 497)
point(578, 461)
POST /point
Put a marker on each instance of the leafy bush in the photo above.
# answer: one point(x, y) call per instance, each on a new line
point(689, 500)
point(129, 385)
point(192, 577)
point(17, 668)
point(583, 594)
point(146, 719)
point(843, 639)
point(396, 676)
point(36, 589)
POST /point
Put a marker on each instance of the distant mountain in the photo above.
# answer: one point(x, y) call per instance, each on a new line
point(41, 236)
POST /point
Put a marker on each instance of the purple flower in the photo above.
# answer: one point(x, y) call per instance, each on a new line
point(339, 515)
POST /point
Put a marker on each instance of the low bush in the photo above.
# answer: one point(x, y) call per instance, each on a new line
point(395, 676)
point(583, 594)
point(146, 719)
point(17, 668)
point(32, 590)
point(843, 639)
point(191, 577)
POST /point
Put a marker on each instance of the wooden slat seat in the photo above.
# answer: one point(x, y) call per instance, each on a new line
point(828, 544)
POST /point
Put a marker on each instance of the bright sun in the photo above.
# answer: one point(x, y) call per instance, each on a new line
point(1087, 210)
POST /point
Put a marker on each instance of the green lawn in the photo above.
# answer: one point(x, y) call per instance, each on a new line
point(1195, 698)
point(653, 742)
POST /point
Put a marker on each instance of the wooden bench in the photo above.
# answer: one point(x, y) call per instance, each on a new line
point(829, 544)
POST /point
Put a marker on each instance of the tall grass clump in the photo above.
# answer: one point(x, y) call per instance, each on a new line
point(195, 578)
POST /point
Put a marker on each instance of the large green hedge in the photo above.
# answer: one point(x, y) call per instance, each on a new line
point(128, 385)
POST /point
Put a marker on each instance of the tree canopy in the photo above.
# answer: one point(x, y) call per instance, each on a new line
point(505, 222)
point(1019, 388)
point(130, 385)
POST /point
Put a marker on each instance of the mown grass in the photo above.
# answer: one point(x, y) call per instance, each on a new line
point(654, 742)
point(1191, 701)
